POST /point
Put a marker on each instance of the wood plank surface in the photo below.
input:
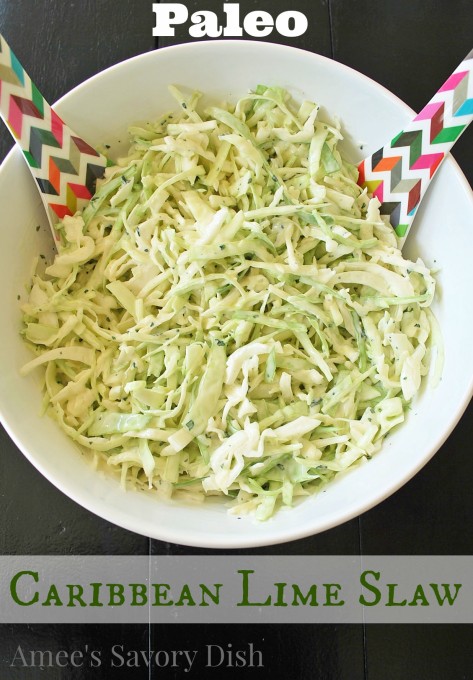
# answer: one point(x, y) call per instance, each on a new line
point(410, 47)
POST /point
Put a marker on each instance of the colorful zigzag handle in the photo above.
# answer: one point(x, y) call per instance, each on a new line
point(399, 173)
point(65, 167)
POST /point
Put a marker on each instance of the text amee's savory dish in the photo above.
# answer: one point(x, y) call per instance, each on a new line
point(230, 315)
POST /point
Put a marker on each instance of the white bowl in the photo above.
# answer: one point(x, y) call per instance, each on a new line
point(100, 110)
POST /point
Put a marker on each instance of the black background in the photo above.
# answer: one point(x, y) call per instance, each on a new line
point(410, 47)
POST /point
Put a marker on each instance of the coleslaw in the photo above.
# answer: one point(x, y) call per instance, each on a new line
point(230, 315)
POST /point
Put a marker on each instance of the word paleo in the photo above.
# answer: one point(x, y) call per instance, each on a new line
point(206, 24)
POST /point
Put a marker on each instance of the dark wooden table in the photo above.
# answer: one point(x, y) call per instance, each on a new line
point(62, 43)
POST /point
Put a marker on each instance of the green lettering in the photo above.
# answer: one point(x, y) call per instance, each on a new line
point(96, 595)
point(52, 598)
point(245, 602)
point(332, 591)
point(371, 588)
point(205, 590)
point(279, 602)
point(139, 595)
point(299, 598)
point(447, 594)
point(391, 593)
point(13, 586)
point(116, 596)
point(419, 595)
point(185, 598)
point(161, 592)
point(75, 595)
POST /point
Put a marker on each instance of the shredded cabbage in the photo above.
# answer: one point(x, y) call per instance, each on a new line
point(230, 315)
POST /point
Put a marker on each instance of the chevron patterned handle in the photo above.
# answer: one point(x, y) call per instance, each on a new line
point(64, 166)
point(399, 173)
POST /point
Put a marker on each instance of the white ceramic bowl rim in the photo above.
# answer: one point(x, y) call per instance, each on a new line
point(84, 497)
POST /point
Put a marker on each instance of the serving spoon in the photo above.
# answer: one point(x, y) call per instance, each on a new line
point(66, 167)
point(399, 173)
